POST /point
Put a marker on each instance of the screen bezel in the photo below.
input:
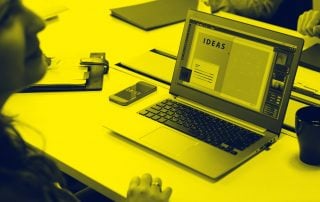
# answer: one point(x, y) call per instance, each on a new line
point(271, 124)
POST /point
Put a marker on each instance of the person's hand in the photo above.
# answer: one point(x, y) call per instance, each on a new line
point(308, 23)
point(147, 189)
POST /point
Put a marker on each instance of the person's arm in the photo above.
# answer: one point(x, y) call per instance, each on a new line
point(147, 189)
point(249, 8)
point(309, 23)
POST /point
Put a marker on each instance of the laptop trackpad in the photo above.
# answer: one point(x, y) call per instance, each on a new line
point(168, 141)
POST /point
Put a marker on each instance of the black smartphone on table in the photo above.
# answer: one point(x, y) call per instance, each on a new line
point(132, 93)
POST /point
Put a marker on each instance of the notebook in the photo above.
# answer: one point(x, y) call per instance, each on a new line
point(310, 58)
point(238, 76)
point(155, 14)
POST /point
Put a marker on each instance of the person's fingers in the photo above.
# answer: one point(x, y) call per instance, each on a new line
point(156, 184)
point(307, 21)
point(314, 23)
point(311, 21)
point(135, 181)
point(303, 22)
point(146, 180)
point(300, 23)
point(316, 30)
point(166, 193)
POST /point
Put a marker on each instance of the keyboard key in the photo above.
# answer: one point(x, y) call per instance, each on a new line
point(212, 130)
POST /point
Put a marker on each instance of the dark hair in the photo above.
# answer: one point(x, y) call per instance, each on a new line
point(26, 174)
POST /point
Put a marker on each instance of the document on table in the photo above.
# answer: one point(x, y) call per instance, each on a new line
point(65, 72)
point(152, 64)
point(307, 82)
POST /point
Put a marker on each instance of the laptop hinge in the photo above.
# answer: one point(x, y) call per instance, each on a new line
point(223, 116)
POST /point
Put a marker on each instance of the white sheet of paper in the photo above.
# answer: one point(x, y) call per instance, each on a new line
point(65, 71)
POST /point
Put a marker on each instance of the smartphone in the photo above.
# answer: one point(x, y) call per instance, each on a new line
point(132, 93)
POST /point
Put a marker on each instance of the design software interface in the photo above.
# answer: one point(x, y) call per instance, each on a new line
point(238, 68)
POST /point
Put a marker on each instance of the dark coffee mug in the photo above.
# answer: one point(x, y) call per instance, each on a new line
point(308, 133)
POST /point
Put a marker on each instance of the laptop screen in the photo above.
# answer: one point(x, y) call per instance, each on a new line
point(225, 63)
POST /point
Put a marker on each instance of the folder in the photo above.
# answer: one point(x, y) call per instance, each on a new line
point(156, 64)
point(310, 58)
point(70, 75)
point(92, 83)
point(155, 14)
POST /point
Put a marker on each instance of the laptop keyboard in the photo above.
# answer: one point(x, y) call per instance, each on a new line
point(200, 125)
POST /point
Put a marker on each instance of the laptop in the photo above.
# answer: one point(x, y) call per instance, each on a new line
point(228, 96)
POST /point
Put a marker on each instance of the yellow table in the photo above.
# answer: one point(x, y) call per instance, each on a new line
point(68, 126)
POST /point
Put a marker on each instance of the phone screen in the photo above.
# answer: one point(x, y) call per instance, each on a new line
point(133, 93)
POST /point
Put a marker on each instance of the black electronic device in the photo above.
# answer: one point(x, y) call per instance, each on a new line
point(132, 93)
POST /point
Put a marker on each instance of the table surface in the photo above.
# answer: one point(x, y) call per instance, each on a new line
point(68, 126)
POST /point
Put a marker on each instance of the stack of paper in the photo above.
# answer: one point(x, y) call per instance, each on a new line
point(307, 82)
point(65, 72)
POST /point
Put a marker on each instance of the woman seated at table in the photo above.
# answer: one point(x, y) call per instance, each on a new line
point(283, 13)
point(25, 174)
point(309, 23)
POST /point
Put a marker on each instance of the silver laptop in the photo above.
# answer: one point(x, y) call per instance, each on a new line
point(228, 96)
